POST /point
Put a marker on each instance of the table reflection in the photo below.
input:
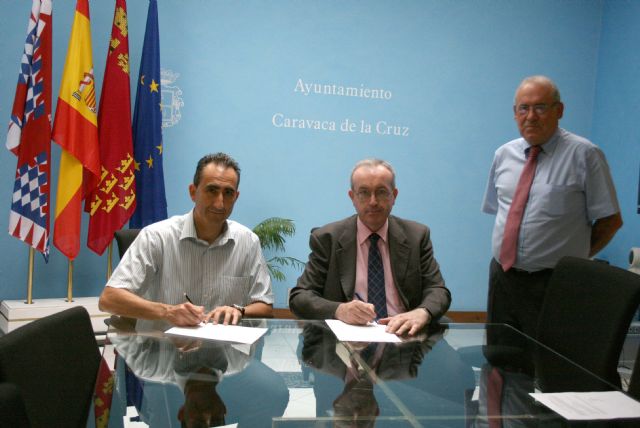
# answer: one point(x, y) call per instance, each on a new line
point(450, 376)
point(352, 379)
point(198, 383)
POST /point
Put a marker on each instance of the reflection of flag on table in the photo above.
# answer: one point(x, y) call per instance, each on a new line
point(147, 130)
point(75, 129)
point(103, 395)
point(29, 135)
point(113, 201)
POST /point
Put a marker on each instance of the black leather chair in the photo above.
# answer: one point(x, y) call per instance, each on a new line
point(124, 238)
point(53, 362)
point(586, 313)
point(12, 411)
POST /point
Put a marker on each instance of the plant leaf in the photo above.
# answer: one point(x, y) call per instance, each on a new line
point(276, 273)
point(287, 261)
point(272, 232)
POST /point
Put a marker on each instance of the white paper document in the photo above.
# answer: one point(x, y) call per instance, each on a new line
point(361, 333)
point(220, 332)
point(576, 406)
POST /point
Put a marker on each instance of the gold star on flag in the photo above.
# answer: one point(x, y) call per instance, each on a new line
point(159, 148)
point(154, 86)
point(136, 165)
point(150, 162)
point(142, 80)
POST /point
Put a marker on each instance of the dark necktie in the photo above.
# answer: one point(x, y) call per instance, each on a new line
point(509, 247)
point(375, 278)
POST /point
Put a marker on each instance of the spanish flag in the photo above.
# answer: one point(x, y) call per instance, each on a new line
point(75, 129)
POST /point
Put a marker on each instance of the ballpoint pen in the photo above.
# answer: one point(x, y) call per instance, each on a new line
point(357, 296)
point(188, 299)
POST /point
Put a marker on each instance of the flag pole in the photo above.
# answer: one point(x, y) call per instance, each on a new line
point(30, 277)
point(109, 262)
point(70, 282)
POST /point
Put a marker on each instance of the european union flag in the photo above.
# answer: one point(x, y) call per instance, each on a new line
point(147, 130)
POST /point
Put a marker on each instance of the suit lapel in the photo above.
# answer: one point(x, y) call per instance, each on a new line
point(346, 256)
point(399, 255)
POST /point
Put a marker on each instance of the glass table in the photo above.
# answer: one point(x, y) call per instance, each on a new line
point(299, 375)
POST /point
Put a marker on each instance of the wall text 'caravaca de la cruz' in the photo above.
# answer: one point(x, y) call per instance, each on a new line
point(347, 125)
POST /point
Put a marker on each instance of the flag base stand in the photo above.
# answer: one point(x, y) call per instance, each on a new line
point(16, 313)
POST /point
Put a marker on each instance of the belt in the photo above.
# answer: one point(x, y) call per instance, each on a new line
point(523, 272)
point(526, 272)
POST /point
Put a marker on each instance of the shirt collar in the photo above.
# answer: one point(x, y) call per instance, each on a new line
point(363, 231)
point(189, 232)
point(549, 147)
point(189, 228)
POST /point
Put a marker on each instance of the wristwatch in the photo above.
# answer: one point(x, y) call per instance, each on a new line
point(240, 308)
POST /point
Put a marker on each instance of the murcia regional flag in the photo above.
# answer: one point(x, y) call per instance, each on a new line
point(75, 130)
point(114, 199)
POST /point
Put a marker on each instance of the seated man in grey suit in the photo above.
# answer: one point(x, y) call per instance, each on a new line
point(372, 266)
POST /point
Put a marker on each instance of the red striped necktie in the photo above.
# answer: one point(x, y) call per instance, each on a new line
point(509, 247)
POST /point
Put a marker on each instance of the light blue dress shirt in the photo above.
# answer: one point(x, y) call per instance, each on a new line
point(571, 189)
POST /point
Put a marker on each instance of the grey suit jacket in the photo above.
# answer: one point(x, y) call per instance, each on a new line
point(330, 274)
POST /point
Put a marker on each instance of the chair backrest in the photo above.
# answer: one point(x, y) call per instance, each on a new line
point(12, 411)
point(124, 238)
point(586, 313)
point(54, 363)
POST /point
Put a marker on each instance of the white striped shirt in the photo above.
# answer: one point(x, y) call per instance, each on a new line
point(167, 260)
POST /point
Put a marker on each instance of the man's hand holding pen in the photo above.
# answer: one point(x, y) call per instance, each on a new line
point(184, 314)
point(359, 312)
point(356, 312)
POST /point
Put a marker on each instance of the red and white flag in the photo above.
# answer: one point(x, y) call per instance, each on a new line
point(29, 135)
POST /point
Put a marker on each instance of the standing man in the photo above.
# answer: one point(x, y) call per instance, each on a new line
point(198, 266)
point(553, 196)
point(372, 265)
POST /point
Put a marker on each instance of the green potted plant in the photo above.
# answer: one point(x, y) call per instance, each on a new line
point(272, 233)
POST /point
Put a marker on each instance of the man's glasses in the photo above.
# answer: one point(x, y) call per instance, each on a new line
point(380, 194)
point(539, 109)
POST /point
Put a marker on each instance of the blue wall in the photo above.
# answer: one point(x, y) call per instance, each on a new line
point(616, 113)
point(451, 68)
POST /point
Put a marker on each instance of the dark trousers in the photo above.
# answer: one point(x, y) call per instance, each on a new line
point(515, 298)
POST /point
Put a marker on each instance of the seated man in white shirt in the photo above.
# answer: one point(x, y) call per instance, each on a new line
point(196, 267)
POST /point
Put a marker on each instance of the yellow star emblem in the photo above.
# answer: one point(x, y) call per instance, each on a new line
point(154, 86)
point(159, 148)
point(142, 80)
point(136, 165)
point(150, 161)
